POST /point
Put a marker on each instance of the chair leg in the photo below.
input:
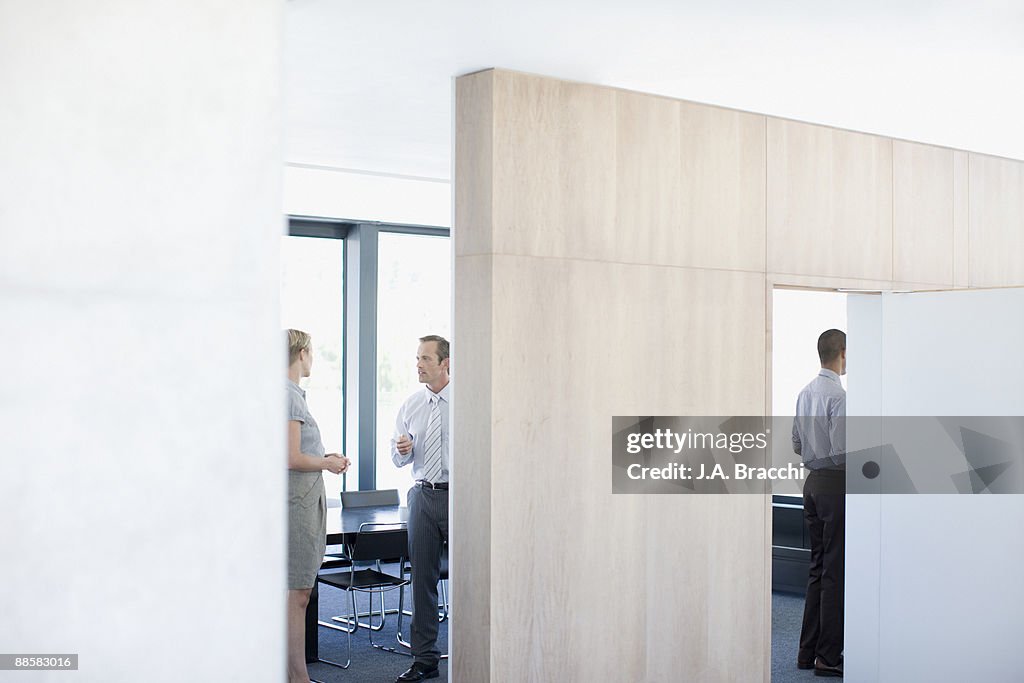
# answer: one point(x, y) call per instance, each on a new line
point(347, 618)
point(349, 632)
point(444, 601)
point(382, 614)
point(385, 647)
point(401, 613)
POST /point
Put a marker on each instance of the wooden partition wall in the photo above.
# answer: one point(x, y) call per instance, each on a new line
point(614, 255)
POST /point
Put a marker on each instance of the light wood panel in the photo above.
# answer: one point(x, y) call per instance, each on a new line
point(571, 608)
point(996, 249)
point(474, 159)
point(689, 185)
point(635, 240)
point(554, 162)
point(723, 168)
point(823, 282)
point(648, 182)
point(829, 201)
point(566, 368)
point(738, 561)
point(961, 220)
point(923, 202)
point(685, 185)
point(469, 562)
point(919, 287)
point(708, 556)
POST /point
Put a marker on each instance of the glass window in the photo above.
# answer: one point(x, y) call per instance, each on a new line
point(799, 316)
point(413, 300)
point(312, 299)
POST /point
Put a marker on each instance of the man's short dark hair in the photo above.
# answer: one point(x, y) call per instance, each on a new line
point(830, 344)
point(442, 345)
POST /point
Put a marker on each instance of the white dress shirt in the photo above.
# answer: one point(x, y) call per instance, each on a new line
point(412, 419)
point(819, 429)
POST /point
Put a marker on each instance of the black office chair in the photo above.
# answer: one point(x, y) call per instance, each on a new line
point(362, 499)
point(373, 543)
point(335, 561)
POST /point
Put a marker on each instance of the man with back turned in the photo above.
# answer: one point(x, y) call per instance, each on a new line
point(819, 437)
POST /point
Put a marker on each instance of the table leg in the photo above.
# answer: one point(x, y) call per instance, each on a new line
point(312, 629)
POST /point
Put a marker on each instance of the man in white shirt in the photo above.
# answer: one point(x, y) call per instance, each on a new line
point(422, 438)
point(819, 437)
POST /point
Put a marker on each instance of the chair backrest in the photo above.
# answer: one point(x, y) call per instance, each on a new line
point(365, 499)
point(376, 543)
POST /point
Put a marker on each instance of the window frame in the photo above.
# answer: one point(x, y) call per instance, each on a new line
point(359, 330)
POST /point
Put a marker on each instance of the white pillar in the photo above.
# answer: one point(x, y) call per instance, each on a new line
point(141, 431)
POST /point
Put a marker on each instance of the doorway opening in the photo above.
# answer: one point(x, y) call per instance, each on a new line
point(798, 316)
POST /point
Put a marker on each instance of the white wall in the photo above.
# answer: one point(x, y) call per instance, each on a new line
point(933, 584)
point(142, 476)
point(355, 195)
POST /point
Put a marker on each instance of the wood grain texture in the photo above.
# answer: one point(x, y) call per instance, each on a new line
point(648, 181)
point(657, 181)
point(554, 168)
point(473, 228)
point(615, 255)
point(824, 282)
point(996, 249)
point(723, 176)
point(551, 455)
point(961, 220)
point(471, 480)
point(710, 619)
point(923, 201)
point(708, 556)
point(829, 201)
point(568, 547)
point(472, 351)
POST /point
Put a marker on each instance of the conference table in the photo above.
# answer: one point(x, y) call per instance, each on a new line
point(342, 526)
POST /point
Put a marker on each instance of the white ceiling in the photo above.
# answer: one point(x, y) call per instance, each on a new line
point(369, 83)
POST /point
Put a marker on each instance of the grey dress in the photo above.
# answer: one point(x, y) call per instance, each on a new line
point(307, 501)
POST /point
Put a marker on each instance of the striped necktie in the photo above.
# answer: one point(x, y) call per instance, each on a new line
point(432, 443)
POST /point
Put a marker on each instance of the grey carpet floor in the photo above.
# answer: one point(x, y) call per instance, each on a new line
point(787, 616)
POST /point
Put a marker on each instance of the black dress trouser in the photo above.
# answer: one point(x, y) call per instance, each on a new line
point(825, 514)
point(428, 532)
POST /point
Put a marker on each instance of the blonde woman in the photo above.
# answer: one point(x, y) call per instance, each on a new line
point(307, 502)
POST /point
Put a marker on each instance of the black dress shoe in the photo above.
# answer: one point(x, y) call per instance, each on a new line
point(418, 672)
point(823, 669)
point(801, 664)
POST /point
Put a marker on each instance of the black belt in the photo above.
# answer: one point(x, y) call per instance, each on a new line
point(440, 486)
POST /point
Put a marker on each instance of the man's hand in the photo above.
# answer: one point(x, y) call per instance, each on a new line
point(404, 444)
point(336, 463)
